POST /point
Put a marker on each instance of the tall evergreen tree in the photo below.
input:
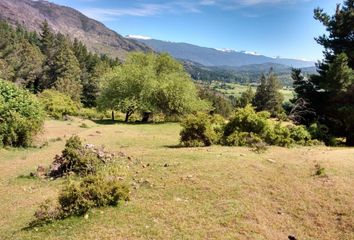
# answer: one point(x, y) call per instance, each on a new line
point(331, 92)
point(268, 98)
point(246, 97)
point(66, 70)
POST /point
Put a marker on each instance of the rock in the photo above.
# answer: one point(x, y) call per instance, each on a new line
point(242, 155)
point(86, 216)
point(291, 237)
point(271, 160)
point(166, 165)
point(41, 171)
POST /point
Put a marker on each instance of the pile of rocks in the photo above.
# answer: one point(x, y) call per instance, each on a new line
point(85, 159)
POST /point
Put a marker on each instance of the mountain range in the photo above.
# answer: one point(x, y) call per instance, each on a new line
point(217, 57)
point(98, 38)
point(210, 63)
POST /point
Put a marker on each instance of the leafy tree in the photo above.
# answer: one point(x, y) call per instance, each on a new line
point(21, 116)
point(149, 83)
point(268, 98)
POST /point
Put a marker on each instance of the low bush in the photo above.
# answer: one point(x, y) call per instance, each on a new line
point(57, 105)
point(78, 197)
point(78, 159)
point(247, 128)
point(93, 114)
point(200, 130)
point(93, 191)
point(321, 132)
point(21, 116)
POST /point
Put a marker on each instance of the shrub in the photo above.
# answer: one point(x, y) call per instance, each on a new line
point(200, 130)
point(78, 159)
point(92, 113)
point(247, 120)
point(300, 134)
point(93, 191)
point(21, 116)
point(321, 132)
point(248, 128)
point(78, 197)
point(57, 105)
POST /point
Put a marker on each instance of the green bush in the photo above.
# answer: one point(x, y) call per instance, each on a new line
point(92, 114)
point(78, 197)
point(21, 116)
point(248, 128)
point(93, 191)
point(321, 132)
point(76, 159)
point(200, 130)
point(57, 105)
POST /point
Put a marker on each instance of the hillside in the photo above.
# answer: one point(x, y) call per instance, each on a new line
point(185, 193)
point(214, 57)
point(242, 74)
point(65, 20)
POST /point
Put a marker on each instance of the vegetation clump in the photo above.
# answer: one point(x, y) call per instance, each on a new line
point(21, 116)
point(245, 128)
point(78, 159)
point(78, 197)
point(57, 104)
point(200, 130)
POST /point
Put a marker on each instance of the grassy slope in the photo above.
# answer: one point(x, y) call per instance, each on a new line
point(204, 193)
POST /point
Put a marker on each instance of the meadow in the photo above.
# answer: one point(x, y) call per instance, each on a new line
point(236, 89)
point(186, 193)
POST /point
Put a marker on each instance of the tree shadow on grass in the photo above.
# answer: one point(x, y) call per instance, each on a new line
point(174, 146)
point(114, 122)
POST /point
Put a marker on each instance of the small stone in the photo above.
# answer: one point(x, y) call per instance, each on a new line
point(86, 216)
point(271, 160)
point(291, 237)
point(166, 165)
point(242, 155)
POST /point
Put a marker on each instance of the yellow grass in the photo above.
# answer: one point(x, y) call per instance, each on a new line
point(201, 193)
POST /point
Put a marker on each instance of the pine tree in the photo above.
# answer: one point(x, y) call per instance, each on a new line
point(46, 39)
point(331, 92)
point(246, 97)
point(268, 98)
point(66, 69)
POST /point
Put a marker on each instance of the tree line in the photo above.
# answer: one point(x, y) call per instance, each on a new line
point(50, 60)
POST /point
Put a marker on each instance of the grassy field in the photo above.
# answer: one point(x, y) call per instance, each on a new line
point(183, 193)
point(234, 89)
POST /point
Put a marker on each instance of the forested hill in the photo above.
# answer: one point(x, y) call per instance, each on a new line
point(68, 21)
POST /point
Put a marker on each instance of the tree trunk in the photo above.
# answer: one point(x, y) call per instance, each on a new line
point(350, 139)
point(113, 116)
point(146, 117)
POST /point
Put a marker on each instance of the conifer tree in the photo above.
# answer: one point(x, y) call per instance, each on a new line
point(331, 92)
point(246, 97)
point(268, 98)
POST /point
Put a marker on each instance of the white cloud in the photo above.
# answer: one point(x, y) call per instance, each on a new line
point(177, 6)
point(138, 37)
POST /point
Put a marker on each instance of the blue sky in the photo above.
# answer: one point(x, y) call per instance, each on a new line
point(284, 28)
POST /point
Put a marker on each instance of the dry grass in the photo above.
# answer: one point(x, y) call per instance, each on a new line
point(202, 193)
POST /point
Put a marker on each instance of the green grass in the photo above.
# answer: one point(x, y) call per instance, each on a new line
point(234, 89)
point(203, 193)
